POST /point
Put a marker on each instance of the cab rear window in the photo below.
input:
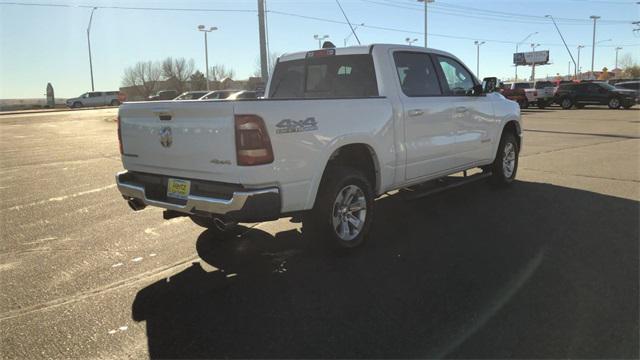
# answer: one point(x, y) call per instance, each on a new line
point(344, 76)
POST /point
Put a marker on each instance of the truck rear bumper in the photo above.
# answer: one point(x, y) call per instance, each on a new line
point(241, 205)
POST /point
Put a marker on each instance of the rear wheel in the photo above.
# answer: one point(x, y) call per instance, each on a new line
point(542, 104)
point(524, 104)
point(614, 103)
point(566, 103)
point(344, 208)
point(505, 165)
point(115, 102)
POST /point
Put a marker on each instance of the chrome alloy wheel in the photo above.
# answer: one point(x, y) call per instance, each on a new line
point(349, 212)
point(614, 103)
point(509, 160)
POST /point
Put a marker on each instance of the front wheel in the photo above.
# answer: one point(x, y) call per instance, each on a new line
point(115, 102)
point(344, 208)
point(614, 103)
point(542, 104)
point(77, 104)
point(566, 103)
point(505, 165)
point(524, 104)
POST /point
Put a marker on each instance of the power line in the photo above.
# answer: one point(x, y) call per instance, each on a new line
point(454, 8)
point(315, 18)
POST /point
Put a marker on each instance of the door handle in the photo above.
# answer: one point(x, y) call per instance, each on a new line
point(461, 109)
point(415, 112)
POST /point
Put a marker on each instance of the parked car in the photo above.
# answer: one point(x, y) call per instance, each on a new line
point(594, 93)
point(517, 95)
point(531, 94)
point(191, 95)
point(630, 85)
point(337, 128)
point(219, 94)
point(546, 93)
point(164, 95)
point(97, 98)
point(243, 94)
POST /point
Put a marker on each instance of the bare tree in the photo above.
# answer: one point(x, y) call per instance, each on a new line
point(271, 60)
point(177, 72)
point(143, 76)
point(218, 72)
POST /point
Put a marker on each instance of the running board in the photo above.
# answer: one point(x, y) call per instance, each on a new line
point(439, 185)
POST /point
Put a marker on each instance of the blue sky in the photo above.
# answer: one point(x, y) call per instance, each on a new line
point(40, 44)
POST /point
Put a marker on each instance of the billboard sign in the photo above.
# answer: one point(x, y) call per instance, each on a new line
point(532, 57)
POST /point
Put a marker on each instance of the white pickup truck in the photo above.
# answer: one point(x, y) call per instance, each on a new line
point(337, 128)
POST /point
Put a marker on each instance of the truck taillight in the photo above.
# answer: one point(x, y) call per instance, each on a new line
point(119, 136)
point(535, 93)
point(253, 146)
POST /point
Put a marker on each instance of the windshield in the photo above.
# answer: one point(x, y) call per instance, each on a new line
point(325, 77)
point(522, 86)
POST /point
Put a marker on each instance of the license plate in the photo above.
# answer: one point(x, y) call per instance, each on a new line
point(178, 189)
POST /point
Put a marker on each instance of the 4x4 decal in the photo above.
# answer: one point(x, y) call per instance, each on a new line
point(294, 126)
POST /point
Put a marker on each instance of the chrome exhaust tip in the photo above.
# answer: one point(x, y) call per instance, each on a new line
point(221, 224)
point(136, 204)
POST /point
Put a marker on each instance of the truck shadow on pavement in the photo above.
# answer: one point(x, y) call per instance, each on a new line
point(533, 271)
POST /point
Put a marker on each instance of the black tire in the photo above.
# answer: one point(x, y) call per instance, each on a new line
point(566, 103)
point(500, 176)
point(614, 103)
point(627, 107)
point(76, 105)
point(337, 182)
point(542, 104)
point(115, 102)
point(230, 231)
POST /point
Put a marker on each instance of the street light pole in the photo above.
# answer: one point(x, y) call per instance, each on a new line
point(410, 41)
point(320, 38)
point(533, 66)
point(89, 45)
point(617, 49)
point(351, 33)
point(593, 48)
point(426, 18)
point(578, 72)
point(478, 43)
point(206, 48)
point(518, 44)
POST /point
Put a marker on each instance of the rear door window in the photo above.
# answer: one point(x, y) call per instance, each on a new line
point(342, 76)
point(416, 74)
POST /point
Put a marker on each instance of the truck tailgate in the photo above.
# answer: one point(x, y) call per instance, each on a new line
point(180, 138)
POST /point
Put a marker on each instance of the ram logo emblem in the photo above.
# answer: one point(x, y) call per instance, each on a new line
point(287, 126)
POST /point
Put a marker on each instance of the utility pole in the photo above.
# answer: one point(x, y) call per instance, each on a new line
point(478, 43)
point(89, 44)
point(578, 71)
point(263, 42)
point(617, 49)
point(206, 49)
point(518, 44)
point(426, 18)
point(593, 47)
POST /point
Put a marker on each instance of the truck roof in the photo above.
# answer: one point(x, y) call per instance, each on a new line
point(364, 49)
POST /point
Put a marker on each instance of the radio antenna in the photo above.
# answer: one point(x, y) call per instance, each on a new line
point(348, 22)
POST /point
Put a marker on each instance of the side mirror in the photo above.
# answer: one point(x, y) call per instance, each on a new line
point(478, 90)
point(489, 84)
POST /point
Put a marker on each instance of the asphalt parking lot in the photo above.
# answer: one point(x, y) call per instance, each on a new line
point(545, 269)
